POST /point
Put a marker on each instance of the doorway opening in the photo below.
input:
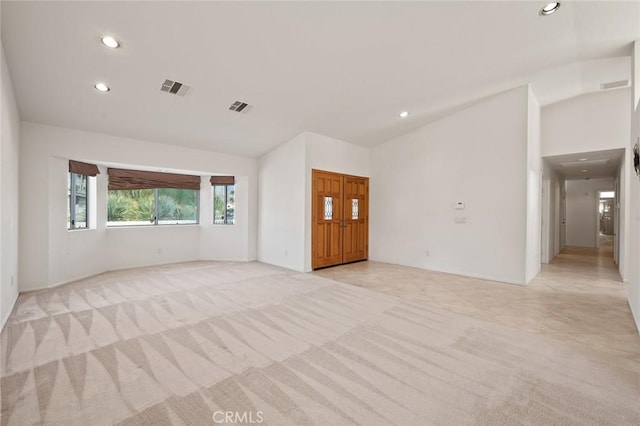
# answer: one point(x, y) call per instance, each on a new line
point(606, 218)
point(582, 195)
point(340, 219)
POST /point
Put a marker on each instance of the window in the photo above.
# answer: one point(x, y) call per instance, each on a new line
point(158, 206)
point(178, 206)
point(224, 199)
point(78, 194)
point(223, 204)
point(77, 207)
point(152, 198)
point(328, 208)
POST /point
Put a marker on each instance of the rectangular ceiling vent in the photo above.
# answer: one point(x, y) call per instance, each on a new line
point(614, 84)
point(175, 87)
point(585, 163)
point(239, 106)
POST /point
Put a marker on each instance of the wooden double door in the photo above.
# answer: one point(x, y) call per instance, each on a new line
point(340, 219)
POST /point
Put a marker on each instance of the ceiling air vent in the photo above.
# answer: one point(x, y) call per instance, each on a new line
point(175, 87)
point(585, 163)
point(239, 106)
point(614, 84)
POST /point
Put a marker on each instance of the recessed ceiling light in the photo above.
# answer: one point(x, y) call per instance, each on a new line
point(585, 171)
point(550, 8)
point(110, 42)
point(582, 159)
point(404, 114)
point(102, 87)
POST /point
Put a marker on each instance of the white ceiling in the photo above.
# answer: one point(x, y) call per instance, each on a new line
point(342, 69)
point(571, 167)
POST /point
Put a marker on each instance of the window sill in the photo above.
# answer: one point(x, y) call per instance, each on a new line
point(80, 229)
point(172, 225)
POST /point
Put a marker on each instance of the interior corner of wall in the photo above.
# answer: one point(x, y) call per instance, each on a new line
point(5, 315)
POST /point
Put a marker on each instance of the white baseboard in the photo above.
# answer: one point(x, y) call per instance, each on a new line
point(116, 269)
point(6, 317)
point(635, 315)
point(456, 272)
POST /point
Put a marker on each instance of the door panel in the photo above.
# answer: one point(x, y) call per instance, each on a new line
point(340, 219)
point(326, 219)
point(356, 197)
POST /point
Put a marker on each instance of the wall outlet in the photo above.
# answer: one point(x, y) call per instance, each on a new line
point(11, 280)
point(426, 253)
point(160, 251)
point(286, 252)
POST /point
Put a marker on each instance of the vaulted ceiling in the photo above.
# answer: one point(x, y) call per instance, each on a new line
point(342, 69)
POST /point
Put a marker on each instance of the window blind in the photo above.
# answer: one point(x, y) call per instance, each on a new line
point(138, 179)
point(222, 180)
point(83, 168)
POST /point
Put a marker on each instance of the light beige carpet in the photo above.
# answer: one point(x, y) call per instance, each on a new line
point(182, 343)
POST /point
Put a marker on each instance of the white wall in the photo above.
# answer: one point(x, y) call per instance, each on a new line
point(619, 223)
point(563, 213)
point(51, 255)
point(582, 210)
point(281, 233)
point(333, 155)
point(633, 258)
point(236, 242)
point(534, 173)
point(285, 194)
point(551, 214)
point(172, 244)
point(9, 218)
point(66, 255)
point(625, 259)
point(591, 122)
point(478, 156)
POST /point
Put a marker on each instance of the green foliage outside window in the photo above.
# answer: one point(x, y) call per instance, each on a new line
point(152, 206)
point(224, 204)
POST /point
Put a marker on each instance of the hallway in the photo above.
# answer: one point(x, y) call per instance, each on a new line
point(578, 298)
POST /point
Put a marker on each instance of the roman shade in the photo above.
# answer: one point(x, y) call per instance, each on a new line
point(83, 168)
point(138, 179)
point(222, 180)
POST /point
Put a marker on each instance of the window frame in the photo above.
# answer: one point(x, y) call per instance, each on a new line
point(225, 204)
point(156, 193)
point(71, 225)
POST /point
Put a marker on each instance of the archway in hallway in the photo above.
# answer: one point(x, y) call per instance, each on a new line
point(583, 204)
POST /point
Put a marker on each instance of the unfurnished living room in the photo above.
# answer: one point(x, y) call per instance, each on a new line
point(327, 213)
